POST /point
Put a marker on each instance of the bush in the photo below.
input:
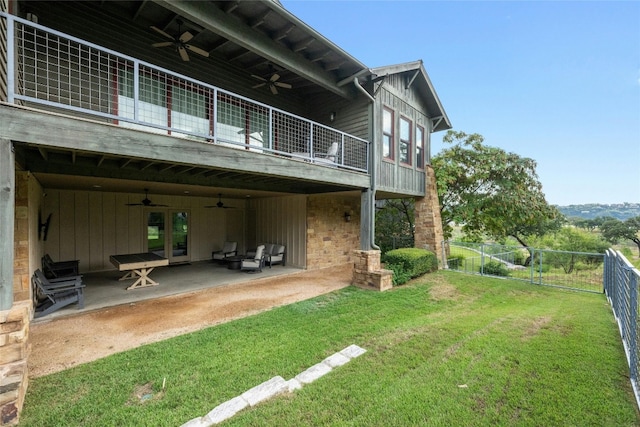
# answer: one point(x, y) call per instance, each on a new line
point(407, 263)
point(455, 262)
point(495, 268)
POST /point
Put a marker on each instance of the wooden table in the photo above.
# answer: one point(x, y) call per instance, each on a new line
point(138, 266)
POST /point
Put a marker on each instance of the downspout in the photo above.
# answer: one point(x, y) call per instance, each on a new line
point(372, 207)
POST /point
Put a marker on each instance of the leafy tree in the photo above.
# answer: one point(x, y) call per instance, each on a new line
point(613, 230)
point(395, 224)
point(489, 191)
point(568, 241)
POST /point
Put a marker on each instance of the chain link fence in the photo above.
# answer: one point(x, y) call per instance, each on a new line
point(573, 270)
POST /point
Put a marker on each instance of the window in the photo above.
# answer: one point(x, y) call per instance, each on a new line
point(387, 134)
point(405, 141)
point(163, 102)
point(419, 147)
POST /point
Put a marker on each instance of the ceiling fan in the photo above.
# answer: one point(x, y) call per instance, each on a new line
point(220, 204)
point(180, 42)
point(145, 201)
point(272, 82)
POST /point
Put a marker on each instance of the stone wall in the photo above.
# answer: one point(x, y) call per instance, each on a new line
point(14, 322)
point(330, 238)
point(14, 351)
point(428, 222)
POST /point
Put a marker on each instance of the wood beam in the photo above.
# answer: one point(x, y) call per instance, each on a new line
point(7, 221)
point(210, 17)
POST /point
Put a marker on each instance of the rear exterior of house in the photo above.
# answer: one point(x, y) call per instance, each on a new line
point(124, 124)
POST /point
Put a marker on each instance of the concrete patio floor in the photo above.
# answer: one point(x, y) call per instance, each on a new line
point(104, 289)
point(188, 298)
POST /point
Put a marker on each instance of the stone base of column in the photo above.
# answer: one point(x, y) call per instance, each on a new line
point(14, 351)
point(367, 271)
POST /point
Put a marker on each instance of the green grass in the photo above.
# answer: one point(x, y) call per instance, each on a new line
point(446, 350)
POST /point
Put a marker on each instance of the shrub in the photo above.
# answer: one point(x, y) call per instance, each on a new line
point(495, 268)
point(407, 263)
point(455, 262)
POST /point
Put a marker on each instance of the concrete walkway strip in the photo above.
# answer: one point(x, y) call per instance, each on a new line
point(273, 387)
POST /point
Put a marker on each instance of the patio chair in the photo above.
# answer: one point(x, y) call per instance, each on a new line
point(53, 294)
point(53, 269)
point(330, 157)
point(256, 263)
point(229, 249)
point(276, 255)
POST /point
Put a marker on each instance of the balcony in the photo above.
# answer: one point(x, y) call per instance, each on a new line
point(49, 70)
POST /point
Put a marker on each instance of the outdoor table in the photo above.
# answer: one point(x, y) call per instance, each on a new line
point(138, 266)
point(234, 262)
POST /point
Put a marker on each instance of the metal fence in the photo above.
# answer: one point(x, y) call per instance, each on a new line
point(621, 281)
point(55, 71)
point(572, 270)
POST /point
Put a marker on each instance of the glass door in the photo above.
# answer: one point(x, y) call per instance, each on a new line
point(167, 234)
point(179, 242)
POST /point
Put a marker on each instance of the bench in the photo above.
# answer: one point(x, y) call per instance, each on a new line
point(53, 294)
point(54, 269)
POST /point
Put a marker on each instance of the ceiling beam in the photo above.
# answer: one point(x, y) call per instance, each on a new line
point(217, 21)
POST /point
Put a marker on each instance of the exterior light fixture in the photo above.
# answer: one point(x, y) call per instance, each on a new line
point(332, 116)
point(347, 217)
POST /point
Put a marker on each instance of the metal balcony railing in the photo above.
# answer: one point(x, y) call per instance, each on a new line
point(53, 70)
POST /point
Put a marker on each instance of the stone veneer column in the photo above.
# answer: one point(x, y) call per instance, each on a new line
point(367, 272)
point(428, 222)
point(330, 238)
point(14, 322)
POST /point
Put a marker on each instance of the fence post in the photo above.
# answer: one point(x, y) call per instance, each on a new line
point(633, 326)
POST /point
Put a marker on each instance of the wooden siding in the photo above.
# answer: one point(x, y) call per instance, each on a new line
point(391, 176)
point(283, 220)
point(90, 226)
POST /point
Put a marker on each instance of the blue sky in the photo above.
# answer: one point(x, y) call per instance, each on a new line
point(555, 81)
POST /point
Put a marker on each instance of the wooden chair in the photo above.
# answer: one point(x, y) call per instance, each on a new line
point(53, 269)
point(53, 294)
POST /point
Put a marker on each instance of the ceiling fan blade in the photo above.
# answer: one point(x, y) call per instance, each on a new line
point(258, 77)
point(197, 50)
point(162, 44)
point(274, 77)
point(183, 53)
point(258, 85)
point(284, 85)
point(133, 204)
point(273, 88)
point(162, 32)
point(185, 37)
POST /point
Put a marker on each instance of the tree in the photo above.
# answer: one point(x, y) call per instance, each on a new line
point(395, 224)
point(613, 230)
point(489, 191)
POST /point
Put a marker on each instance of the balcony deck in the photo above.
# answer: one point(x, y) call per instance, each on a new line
point(51, 71)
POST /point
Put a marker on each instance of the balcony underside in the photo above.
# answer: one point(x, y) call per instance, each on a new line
point(48, 143)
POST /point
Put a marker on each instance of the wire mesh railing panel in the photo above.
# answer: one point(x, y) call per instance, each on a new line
point(573, 270)
point(621, 287)
point(59, 71)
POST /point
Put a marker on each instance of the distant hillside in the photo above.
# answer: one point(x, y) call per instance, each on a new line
point(620, 211)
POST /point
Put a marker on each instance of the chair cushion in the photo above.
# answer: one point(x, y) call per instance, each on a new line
point(259, 252)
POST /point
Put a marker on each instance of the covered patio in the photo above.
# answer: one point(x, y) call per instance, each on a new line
point(104, 289)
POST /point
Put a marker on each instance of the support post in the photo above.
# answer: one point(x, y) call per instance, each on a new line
point(7, 220)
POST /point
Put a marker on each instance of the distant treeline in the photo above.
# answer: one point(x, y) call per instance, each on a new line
point(619, 211)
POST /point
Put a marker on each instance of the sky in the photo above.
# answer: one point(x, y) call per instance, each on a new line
point(554, 81)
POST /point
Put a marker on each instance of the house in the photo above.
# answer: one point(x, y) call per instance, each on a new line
point(121, 121)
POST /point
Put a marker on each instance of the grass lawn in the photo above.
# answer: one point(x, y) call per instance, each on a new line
point(446, 350)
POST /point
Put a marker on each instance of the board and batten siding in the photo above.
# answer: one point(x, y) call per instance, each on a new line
point(391, 176)
point(282, 220)
point(90, 226)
